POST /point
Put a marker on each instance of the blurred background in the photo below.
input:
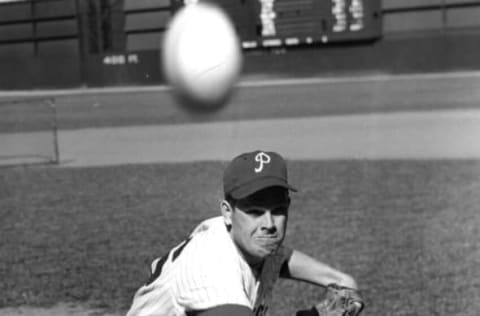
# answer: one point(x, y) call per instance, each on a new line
point(73, 43)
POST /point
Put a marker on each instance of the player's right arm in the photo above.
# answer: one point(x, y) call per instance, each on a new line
point(224, 310)
point(305, 268)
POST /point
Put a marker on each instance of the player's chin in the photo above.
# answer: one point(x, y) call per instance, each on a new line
point(262, 253)
point(265, 249)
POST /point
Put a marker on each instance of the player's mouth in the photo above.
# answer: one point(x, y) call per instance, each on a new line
point(267, 237)
point(268, 242)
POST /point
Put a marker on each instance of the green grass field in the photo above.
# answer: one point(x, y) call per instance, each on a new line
point(408, 231)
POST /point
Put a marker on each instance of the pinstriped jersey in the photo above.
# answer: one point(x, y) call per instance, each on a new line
point(205, 271)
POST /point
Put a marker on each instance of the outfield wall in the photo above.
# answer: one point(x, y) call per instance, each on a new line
point(432, 52)
point(46, 45)
point(399, 54)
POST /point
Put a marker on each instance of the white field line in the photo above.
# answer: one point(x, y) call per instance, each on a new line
point(245, 83)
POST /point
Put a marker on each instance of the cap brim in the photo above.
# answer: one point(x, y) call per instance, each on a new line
point(250, 188)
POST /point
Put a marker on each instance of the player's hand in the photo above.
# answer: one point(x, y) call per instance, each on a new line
point(339, 301)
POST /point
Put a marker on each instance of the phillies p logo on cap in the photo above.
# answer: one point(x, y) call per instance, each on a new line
point(253, 171)
point(261, 158)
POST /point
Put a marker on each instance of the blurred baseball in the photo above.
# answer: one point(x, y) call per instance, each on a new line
point(202, 58)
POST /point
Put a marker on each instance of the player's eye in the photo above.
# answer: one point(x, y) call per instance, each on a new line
point(254, 212)
point(279, 211)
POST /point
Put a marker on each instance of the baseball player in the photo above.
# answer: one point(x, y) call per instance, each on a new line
point(228, 264)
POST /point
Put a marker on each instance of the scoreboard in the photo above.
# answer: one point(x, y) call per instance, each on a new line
point(279, 23)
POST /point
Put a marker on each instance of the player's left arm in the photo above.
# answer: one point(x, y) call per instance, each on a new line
point(300, 266)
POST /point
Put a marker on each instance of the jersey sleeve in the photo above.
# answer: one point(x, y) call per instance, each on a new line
point(210, 273)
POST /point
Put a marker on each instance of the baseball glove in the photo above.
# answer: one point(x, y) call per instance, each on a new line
point(339, 301)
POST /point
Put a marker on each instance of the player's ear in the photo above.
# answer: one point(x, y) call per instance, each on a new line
point(227, 210)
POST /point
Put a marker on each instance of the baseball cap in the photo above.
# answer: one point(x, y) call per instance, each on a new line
point(253, 171)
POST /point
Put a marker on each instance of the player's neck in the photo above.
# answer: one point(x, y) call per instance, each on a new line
point(253, 262)
point(257, 268)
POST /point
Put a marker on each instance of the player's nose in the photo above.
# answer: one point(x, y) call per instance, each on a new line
point(268, 222)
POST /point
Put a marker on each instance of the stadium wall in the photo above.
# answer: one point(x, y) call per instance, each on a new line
point(44, 44)
point(434, 52)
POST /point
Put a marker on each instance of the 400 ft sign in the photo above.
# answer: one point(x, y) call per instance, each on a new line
point(120, 59)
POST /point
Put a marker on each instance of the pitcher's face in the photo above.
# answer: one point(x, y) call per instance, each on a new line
point(259, 222)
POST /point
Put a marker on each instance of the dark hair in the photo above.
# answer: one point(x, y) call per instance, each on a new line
point(230, 200)
point(233, 202)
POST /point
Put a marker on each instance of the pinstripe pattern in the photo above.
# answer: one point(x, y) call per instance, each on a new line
point(208, 272)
